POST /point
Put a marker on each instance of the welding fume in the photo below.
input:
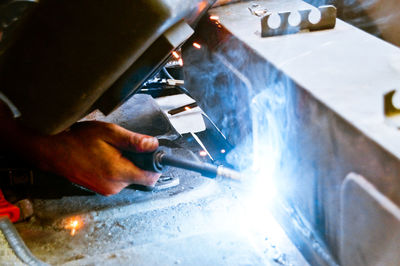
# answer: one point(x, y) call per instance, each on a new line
point(216, 132)
point(60, 61)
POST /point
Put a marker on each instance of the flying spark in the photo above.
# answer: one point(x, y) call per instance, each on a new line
point(176, 55)
point(215, 18)
point(197, 45)
point(74, 224)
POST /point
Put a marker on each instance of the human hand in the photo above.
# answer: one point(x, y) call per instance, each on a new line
point(90, 154)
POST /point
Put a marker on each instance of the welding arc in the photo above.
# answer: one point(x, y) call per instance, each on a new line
point(158, 160)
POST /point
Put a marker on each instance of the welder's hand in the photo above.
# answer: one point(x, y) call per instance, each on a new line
point(89, 154)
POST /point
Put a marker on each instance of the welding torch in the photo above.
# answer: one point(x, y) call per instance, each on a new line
point(158, 160)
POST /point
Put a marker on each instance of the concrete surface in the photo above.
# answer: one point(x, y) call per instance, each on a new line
point(199, 222)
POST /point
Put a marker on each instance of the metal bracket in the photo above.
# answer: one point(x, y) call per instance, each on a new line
point(327, 21)
point(392, 113)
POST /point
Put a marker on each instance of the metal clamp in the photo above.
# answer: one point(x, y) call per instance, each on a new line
point(327, 21)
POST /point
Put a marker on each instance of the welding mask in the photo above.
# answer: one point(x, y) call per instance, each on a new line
point(61, 59)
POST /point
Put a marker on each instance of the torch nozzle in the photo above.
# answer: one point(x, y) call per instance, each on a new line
point(228, 173)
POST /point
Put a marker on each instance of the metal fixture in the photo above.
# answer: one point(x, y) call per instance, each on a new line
point(327, 21)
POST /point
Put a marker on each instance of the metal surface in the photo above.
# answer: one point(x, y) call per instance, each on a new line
point(69, 54)
point(315, 98)
point(145, 66)
point(12, 12)
point(370, 225)
point(327, 20)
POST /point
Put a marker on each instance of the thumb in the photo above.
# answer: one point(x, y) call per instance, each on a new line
point(124, 139)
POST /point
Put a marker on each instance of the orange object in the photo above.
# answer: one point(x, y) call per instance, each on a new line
point(196, 45)
point(74, 224)
point(7, 209)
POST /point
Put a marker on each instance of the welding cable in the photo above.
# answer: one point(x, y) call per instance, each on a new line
point(165, 72)
point(17, 244)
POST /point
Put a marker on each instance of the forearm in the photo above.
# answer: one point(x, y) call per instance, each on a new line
point(88, 154)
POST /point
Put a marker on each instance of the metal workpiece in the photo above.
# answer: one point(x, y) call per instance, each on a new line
point(296, 21)
point(11, 14)
point(314, 99)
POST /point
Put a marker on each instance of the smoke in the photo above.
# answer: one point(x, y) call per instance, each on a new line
point(249, 100)
point(254, 105)
point(270, 124)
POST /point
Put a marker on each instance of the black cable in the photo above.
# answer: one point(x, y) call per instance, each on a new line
point(165, 71)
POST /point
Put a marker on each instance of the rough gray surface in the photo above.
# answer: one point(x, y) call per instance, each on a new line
point(7, 255)
point(199, 222)
point(201, 226)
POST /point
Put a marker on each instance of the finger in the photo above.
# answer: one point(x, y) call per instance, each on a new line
point(128, 140)
point(132, 174)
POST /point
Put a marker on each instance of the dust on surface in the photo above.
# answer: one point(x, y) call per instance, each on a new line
point(7, 255)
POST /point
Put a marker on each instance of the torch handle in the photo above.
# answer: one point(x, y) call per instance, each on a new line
point(148, 161)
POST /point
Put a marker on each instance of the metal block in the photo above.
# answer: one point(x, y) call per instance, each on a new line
point(317, 97)
point(327, 21)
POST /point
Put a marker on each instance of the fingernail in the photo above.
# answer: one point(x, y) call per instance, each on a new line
point(148, 143)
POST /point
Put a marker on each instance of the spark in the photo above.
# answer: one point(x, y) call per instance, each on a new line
point(74, 224)
point(180, 61)
point(196, 45)
point(187, 108)
point(223, 151)
point(203, 153)
point(215, 18)
point(176, 55)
